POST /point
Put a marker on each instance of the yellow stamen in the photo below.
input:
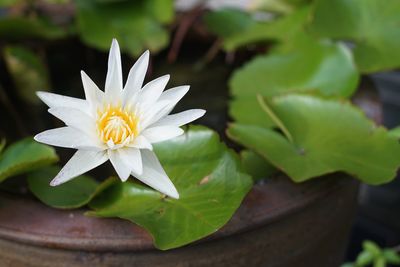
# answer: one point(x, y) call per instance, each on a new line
point(117, 124)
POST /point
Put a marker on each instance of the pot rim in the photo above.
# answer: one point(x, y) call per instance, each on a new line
point(267, 202)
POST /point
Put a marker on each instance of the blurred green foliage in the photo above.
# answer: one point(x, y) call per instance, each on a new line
point(373, 255)
point(370, 25)
point(228, 22)
point(138, 25)
point(22, 28)
point(28, 71)
point(318, 48)
point(307, 66)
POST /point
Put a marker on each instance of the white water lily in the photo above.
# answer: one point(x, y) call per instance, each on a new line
point(119, 124)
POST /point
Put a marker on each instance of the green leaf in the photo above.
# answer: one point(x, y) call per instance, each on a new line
point(161, 10)
point(17, 28)
point(395, 132)
point(28, 71)
point(73, 194)
point(391, 256)
point(348, 264)
point(23, 156)
point(277, 6)
point(8, 3)
point(372, 248)
point(208, 179)
point(328, 136)
point(228, 22)
point(364, 258)
point(313, 66)
point(282, 29)
point(372, 24)
point(135, 24)
point(265, 107)
point(256, 165)
point(380, 262)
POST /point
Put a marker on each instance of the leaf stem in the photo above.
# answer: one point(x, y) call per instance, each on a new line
point(274, 118)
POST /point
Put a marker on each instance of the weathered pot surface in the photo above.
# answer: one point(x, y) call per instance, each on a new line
point(279, 224)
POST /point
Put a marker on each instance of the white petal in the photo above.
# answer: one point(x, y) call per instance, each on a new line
point(154, 175)
point(55, 100)
point(81, 162)
point(153, 90)
point(123, 170)
point(136, 77)
point(132, 158)
point(92, 93)
point(68, 137)
point(77, 119)
point(113, 87)
point(153, 113)
point(181, 118)
point(161, 133)
point(173, 95)
point(141, 142)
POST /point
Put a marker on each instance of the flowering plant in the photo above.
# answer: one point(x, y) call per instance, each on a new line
point(119, 124)
point(290, 108)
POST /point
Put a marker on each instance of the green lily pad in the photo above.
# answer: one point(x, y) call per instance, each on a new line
point(281, 29)
point(23, 156)
point(74, 194)
point(256, 165)
point(208, 178)
point(327, 136)
point(137, 25)
point(373, 25)
point(28, 71)
point(307, 65)
point(228, 22)
point(162, 10)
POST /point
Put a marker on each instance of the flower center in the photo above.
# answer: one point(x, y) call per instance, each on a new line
point(117, 125)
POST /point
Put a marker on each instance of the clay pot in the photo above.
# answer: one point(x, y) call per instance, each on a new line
point(279, 224)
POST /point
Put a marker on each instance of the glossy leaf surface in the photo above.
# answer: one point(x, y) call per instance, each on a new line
point(23, 156)
point(208, 178)
point(328, 136)
point(307, 65)
point(73, 194)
